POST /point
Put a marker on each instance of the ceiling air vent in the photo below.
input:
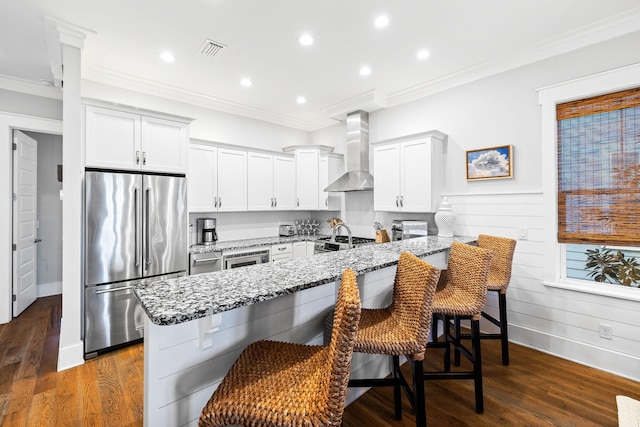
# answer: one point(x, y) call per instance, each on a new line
point(210, 48)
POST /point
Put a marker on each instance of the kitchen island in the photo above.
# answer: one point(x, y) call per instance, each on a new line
point(196, 326)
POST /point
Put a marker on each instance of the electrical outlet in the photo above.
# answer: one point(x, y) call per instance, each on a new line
point(523, 233)
point(606, 331)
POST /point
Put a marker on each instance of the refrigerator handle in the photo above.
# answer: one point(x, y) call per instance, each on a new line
point(146, 228)
point(136, 225)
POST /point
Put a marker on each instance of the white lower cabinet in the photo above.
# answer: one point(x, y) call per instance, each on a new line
point(281, 251)
point(303, 249)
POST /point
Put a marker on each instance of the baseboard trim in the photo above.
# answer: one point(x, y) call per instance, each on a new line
point(48, 289)
point(70, 356)
point(613, 362)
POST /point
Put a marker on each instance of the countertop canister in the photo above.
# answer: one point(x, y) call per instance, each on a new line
point(445, 219)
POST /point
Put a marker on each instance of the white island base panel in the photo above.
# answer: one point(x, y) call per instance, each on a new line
point(184, 363)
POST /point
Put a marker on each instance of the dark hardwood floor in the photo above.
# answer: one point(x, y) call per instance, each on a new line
point(535, 390)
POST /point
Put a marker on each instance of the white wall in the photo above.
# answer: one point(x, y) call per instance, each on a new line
point(49, 263)
point(499, 110)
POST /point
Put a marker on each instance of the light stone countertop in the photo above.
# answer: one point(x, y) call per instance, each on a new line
point(249, 243)
point(173, 301)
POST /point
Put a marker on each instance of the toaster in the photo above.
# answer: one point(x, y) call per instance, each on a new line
point(287, 230)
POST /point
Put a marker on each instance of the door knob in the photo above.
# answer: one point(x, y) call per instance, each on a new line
point(37, 240)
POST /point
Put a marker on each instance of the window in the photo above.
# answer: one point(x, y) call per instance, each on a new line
point(599, 169)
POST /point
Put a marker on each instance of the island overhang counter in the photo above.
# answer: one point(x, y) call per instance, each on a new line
point(196, 326)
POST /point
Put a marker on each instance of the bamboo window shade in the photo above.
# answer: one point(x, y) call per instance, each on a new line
point(599, 169)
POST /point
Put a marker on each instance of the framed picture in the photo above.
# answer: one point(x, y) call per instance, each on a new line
point(490, 163)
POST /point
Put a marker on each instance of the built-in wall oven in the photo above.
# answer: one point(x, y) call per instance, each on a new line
point(244, 257)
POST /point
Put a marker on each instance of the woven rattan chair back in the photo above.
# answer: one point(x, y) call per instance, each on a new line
point(276, 383)
point(503, 250)
point(465, 279)
point(345, 327)
point(411, 305)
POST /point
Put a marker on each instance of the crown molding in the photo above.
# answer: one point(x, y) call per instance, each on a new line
point(125, 81)
point(29, 87)
point(616, 26)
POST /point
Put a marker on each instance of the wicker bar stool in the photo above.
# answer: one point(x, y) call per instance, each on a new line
point(499, 278)
point(401, 329)
point(462, 293)
point(285, 384)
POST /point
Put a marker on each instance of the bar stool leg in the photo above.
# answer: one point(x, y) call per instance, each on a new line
point(477, 364)
point(446, 320)
point(504, 336)
point(397, 392)
point(418, 393)
point(456, 352)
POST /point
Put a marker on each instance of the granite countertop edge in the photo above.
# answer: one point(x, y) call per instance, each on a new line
point(182, 299)
point(250, 243)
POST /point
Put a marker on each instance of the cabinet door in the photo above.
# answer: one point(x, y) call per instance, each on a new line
point(386, 186)
point(112, 139)
point(307, 179)
point(299, 249)
point(284, 183)
point(201, 178)
point(415, 176)
point(259, 182)
point(330, 169)
point(164, 145)
point(232, 180)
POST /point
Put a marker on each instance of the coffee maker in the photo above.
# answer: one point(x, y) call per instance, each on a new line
point(207, 231)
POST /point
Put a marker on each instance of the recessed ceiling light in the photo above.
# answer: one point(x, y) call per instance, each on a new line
point(422, 54)
point(365, 70)
point(167, 57)
point(246, 82)
point(306, 40)
point(301, 100)
point(382, 21)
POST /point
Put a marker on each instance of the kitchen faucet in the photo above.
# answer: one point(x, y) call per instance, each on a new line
point(335, 229)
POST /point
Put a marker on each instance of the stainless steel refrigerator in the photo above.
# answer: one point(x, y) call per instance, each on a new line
point(135, 228)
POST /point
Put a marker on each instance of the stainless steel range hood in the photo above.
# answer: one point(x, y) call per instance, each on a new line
point(357, 177)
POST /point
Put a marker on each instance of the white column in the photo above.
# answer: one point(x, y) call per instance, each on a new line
point(71, 347)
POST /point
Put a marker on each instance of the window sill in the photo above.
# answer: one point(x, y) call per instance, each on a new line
point(607, 290)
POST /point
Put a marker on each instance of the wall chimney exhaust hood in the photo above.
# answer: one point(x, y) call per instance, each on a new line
point(357, 177)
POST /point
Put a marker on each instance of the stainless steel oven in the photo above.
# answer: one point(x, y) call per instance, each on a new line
point(244, 257)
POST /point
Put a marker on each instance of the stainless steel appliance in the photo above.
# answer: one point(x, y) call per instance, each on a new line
point(135, 228)
point(207, 231)
point(205, 263)
point(287, 230)
point(244, 257)
point(325, 244)
point(408, 229)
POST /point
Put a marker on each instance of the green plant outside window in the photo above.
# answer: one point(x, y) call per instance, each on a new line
point(603, 265)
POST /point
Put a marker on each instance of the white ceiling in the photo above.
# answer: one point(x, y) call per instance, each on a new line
point(466, 39)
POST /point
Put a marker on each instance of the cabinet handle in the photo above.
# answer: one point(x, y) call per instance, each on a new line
point(137, 157)
point(298, 202)
point(397, 201)
point(272, 202)
point(215, 202)
point(275, 202)
point(144, 157)
point(219, 202)
point(326, 201)
point(402, 201)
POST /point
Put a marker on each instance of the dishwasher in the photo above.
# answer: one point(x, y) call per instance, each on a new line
point(205, 263)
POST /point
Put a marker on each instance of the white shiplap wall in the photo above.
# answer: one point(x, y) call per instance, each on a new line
point(558, 321)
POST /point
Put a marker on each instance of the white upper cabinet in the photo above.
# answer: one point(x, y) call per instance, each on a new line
point(408, 173)
point(307, 174)
point(284, 183)
point(271, 182)
point(217, 179)
point(125, 140)
point(330, 168)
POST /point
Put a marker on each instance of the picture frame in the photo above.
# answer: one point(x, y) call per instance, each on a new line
point(490, 163)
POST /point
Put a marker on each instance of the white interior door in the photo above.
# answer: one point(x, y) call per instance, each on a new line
point(24, 221)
